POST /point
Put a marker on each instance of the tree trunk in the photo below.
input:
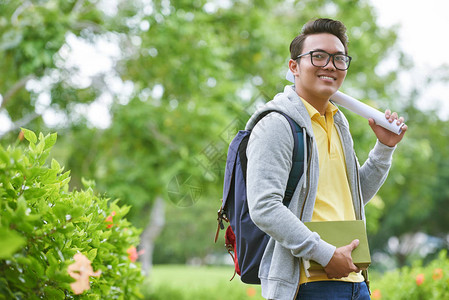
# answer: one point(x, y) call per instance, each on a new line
point(151, 232)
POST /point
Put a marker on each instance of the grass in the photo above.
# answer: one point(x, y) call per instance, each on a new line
point(205, 282)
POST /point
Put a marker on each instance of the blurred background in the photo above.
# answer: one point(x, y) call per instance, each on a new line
point(145, 96)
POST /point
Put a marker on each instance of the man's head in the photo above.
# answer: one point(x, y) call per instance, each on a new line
point(333, 27)
point(319, 60)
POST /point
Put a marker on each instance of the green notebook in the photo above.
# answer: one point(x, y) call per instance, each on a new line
point(341, 233)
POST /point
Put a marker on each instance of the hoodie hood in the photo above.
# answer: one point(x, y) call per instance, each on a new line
point(289, 103)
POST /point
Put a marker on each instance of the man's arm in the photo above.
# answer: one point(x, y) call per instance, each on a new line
point(374, 171)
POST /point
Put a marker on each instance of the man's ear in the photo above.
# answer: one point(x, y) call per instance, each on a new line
point(293, 65)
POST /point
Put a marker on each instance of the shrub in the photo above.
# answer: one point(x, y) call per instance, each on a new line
point(43, 225)
point(417, 282)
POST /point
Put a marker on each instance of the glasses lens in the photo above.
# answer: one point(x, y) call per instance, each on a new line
point(341, 61)
point(319, 58)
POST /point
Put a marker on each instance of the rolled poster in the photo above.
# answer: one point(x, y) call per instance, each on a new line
point(366, 111)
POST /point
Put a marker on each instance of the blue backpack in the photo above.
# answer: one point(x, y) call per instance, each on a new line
point(244, 241)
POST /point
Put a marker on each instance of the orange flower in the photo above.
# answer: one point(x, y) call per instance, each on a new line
point(419, 279)
point(133, 255)
point(110, 220)
point(80, 270)
point(437, 274)
point(251, 292)
point(377, 294)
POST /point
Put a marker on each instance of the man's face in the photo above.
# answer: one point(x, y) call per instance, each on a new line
point(319, 83)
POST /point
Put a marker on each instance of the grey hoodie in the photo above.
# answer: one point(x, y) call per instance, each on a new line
point(269, 152)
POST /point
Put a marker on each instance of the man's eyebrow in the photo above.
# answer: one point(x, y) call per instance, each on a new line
point(338, 52)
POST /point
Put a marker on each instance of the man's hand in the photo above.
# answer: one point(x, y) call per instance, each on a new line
point(341, 263)
point(385, 136)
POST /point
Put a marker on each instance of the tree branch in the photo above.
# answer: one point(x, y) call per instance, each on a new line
point(77, 7)
point(18, 11)
point(14, 89)
point(22, 122)
point(160, 137)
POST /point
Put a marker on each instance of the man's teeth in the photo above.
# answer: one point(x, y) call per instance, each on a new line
point(327, 77)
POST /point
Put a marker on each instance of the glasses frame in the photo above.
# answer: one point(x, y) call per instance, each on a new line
point(328, 59)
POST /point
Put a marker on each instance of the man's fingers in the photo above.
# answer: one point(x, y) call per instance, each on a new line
point(354, 244)
point(393, 116)
point(356, 269)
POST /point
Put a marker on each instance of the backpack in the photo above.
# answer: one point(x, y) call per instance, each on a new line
point(243, 237)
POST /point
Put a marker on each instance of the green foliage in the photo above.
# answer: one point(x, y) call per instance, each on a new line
point(417, 282)
point(43, 225)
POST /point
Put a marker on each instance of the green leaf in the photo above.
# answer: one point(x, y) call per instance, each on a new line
point(40, 147)
point(55, 165)
point(4, 155)
point(29, 135)
point(10, 242)
point(50, 140)
point(37, 267)
point(53, 293)
point(92, 254)
point(106, 234)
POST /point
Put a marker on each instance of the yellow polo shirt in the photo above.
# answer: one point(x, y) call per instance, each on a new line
point(333, 201)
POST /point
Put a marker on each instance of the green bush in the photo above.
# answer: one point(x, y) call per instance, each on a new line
point(43, 225)
point(418, 282)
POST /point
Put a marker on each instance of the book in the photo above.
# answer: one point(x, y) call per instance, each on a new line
point(340, 233)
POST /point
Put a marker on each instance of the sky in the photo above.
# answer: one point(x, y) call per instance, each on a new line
point(422, 34)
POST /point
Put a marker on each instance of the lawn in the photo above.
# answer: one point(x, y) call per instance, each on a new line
point(188, 282)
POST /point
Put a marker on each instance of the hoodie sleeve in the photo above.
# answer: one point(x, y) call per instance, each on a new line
point(375, 170)
point(269, 153)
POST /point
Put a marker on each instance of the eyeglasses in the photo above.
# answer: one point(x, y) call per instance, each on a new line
point(320, 58)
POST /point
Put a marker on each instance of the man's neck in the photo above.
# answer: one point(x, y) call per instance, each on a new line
point(319, 103)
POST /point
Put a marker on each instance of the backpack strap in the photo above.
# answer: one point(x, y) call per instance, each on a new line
point(297, 156)
point(297, 160)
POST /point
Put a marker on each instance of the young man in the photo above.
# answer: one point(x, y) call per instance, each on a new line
point(333, 186)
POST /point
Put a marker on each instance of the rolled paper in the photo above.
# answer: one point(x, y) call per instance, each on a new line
point(359, 108)
point(366, 111)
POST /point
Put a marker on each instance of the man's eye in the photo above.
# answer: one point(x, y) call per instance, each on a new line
point(319, 56)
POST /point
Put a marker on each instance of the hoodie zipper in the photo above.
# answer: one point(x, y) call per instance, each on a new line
point(309, 161)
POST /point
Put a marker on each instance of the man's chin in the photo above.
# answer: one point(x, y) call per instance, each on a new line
point(328, 92)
